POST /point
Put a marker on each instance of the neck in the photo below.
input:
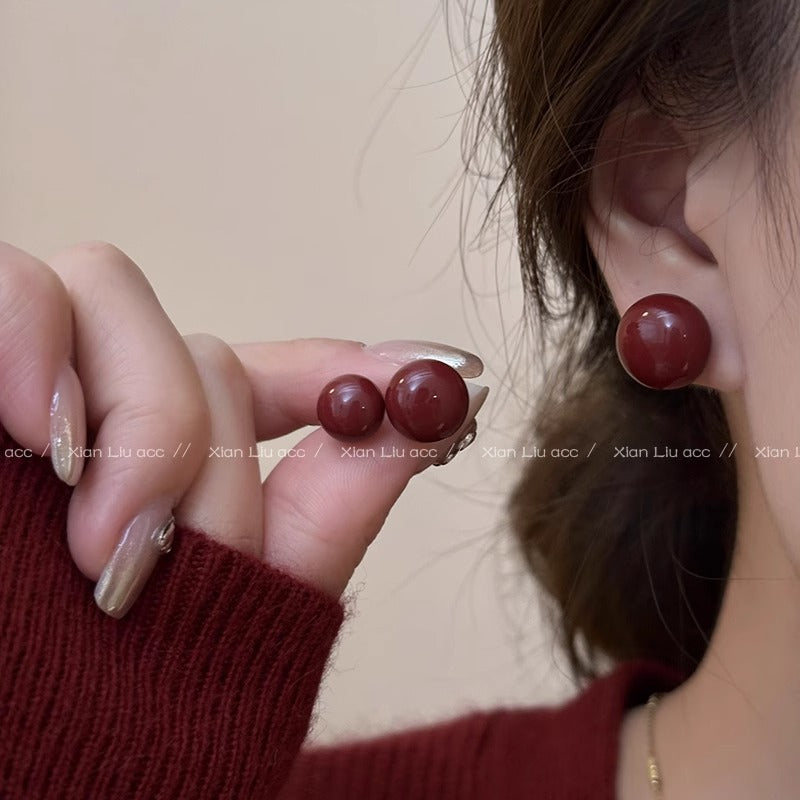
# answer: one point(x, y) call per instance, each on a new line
point(733, 729)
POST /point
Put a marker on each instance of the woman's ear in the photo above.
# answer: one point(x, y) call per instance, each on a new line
point(637, 229)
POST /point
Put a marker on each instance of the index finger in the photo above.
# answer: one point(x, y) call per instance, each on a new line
point(287, 376)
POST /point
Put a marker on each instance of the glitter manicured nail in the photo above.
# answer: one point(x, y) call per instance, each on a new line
point(67, 427)
point(401, 351)
point(148, 536)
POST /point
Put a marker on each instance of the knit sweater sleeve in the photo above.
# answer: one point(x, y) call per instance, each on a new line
point(204, 690)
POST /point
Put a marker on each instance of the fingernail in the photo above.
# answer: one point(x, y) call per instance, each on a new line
point(449, 448)
point(146, 538)
point(401, 351)
point(67, 427)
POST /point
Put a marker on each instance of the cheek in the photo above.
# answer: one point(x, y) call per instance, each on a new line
point(765, 293)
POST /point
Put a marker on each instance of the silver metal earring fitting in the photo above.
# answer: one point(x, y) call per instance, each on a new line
point(465, 441)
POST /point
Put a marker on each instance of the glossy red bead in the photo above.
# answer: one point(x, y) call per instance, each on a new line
point(350, 407)
point(663, 341)
point(427, 400)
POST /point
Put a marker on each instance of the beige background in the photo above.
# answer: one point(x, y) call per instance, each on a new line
point(283, 170)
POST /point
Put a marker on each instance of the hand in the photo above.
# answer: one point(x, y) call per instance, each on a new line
point(320, 508)
point(88, 331)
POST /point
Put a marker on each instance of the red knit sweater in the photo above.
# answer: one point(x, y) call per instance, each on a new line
point(206, 688)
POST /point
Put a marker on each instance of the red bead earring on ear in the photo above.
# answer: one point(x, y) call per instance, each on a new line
point(663, 341)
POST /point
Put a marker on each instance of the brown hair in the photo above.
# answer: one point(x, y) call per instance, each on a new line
point(634, 552)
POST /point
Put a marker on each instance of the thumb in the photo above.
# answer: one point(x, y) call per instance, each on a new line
point(326, 503)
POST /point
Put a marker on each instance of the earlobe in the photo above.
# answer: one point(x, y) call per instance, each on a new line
point(636, 227)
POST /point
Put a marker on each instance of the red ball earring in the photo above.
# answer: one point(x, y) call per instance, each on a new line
point(427, 400)
point(350, 407)
point(663, 341)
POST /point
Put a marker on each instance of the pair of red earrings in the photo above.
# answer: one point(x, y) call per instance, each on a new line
point(663, 341)
point(426, 400)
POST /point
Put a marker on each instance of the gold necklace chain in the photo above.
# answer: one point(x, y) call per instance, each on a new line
point(653, 771)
